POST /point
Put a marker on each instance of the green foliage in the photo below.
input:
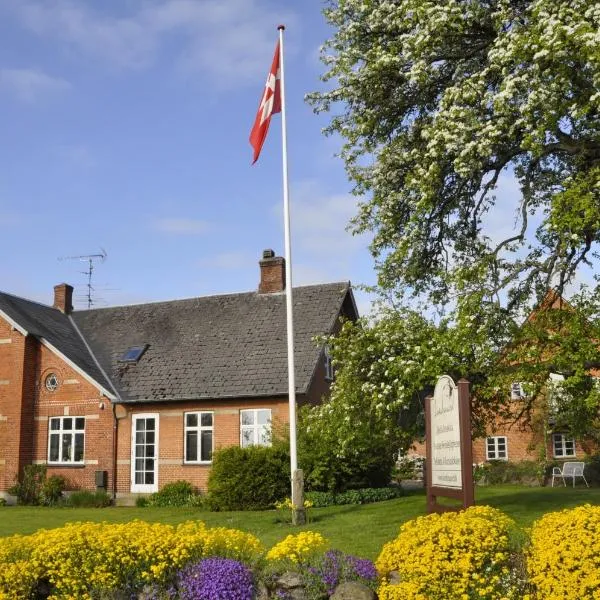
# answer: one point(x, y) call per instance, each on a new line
point(437, 104)
point(177, 493)
point(495, 472)
point(409, 467)
point(87, 499)
point(35, 489)
point(252, 478)
point(446, 99)
point(360, 496)
point(52, 490)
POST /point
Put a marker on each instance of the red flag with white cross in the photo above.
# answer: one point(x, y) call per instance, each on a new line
point(270, 104)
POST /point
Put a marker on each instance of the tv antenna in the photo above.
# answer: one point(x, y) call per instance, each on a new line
point(89, 259)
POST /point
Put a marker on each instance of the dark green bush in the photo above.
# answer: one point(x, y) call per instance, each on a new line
point(87, 499)
point(360, 496)
point(52, 490)
point(252, 478)
point(34, 488)
point(592, 469)
point(177, 493)
point(526, 472)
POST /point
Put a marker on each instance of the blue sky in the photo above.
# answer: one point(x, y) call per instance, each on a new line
point(125, 126)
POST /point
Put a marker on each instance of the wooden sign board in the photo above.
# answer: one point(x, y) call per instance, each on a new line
point(449, 451)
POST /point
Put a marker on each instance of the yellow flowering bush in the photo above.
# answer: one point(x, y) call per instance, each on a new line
point(298, 548)
point(452, 556)
point(81, 557)
point(563, 560)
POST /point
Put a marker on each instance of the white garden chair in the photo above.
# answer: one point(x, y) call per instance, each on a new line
point(569, 469)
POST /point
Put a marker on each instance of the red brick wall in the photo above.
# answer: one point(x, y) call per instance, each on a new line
point(26, 405)
point(171, 467)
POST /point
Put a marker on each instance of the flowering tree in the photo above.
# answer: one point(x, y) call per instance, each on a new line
point(439, 101)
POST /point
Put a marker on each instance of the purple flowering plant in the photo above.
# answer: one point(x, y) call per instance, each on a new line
point(215, 579)
point(334, 567)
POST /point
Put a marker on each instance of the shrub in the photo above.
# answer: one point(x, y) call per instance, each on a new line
point(451, 556)
point(326, 471)
point(526, 472)
point(29, 488)
point(409, 467)
point(87, 499)
point(563, 560)
point(216, 579)
point(52, 490)
point(361, 496)
point(177, 493)
point(35, 488)
point(252, 478)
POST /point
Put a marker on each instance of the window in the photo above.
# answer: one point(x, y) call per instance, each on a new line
point(496, 448)
point(328, 364)
point(133, 354)
point(198, 437)
point(517, 391)
point(51, 382)
point(255, 427)
point(66, 440)
point(563, 445)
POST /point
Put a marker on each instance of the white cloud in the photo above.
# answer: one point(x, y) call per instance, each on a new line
point(320, 220)
point(230, 42)
point(29, 85)
point(179, 226)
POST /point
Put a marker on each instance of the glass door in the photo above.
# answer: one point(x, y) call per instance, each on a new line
point(144, 453)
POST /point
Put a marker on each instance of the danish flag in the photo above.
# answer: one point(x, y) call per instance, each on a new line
point(270, 104)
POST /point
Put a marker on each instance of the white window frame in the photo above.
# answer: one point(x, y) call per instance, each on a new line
point(496, 443)
point(517, 392)
point(199, 429)
point(563, 445)
point(255, 427)
point(61, 432)
point(327, 364)
point(145, 488)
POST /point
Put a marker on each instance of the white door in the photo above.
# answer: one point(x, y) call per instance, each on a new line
point(144, 453)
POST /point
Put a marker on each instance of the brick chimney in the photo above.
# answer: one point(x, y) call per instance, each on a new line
point(272, 273)
point(63, 298)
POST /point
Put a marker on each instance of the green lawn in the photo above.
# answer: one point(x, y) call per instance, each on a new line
point(360, 530)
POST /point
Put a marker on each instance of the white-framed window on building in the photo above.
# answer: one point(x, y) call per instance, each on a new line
point(496, 448)
point(255, 427)
point(198, 436)
point(517, 391)
point(563, 445)
point(66, 440)
point(327, 364)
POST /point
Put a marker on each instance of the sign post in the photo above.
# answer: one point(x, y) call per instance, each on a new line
point(449, 451)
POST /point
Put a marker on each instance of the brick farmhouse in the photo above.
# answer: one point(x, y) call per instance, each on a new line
point(133, 397)
point(515, 439)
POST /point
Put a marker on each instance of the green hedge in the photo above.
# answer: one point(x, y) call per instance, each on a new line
point(177, 493)
point(251, 478)
point(361, 496)
point(525, 472)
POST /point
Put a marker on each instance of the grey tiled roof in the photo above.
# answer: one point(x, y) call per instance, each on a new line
point(55, 327)
point(212, 347)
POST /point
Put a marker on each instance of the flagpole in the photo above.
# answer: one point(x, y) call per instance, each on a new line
point(298, 513)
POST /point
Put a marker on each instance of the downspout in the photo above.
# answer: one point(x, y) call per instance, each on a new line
point(115, 433)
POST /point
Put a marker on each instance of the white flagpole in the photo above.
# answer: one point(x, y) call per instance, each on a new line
point(297, 495)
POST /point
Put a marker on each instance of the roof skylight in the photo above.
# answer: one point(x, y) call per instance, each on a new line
point(133, 354)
